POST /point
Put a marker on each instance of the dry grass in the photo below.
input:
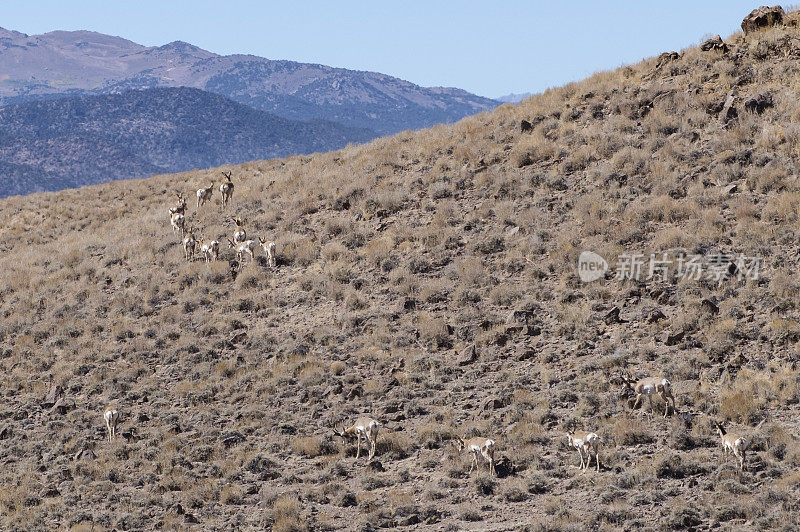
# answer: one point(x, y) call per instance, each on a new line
point(628, 431)
point(286, 515)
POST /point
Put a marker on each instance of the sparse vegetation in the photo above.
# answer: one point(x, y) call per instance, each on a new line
point(395, 258)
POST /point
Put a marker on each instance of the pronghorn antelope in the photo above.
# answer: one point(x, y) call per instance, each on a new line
point(189, 244)
point(178, 221)
point(732, 442)
point(204, 194)
point(269, 250)
point(585, 442)
point(241, 248)
point(111, 416)
point(181, 206)
point(210, 250)
point(176, 215)
point(478, 447)
point(240, 235)
point(364, 426)
point(651, 386)
point(226, 189)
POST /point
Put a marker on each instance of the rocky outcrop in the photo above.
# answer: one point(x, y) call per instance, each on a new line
point(763, 17)
point(729, 111)
point(667, 57)
point(715, 43)
point(55, 393)
point(759, 103)
point(467, 356)
point(63, 405)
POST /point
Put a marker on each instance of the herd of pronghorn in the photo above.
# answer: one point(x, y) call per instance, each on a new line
point(481, 449)
point(210, 248)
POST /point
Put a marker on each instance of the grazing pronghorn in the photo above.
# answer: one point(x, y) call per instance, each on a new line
point(189, 244)
point(651, 386)
point(364, 426)
point(269, 250)
point(240, 235)
point(111, 417)
point(226, 189)
point(241, 248)
point(204, 194)
point(478, 447)
point(585, 442)
point(210, 250)
point(732, 442)
point(176, 215)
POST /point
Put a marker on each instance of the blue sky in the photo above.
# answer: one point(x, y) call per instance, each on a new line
point(487, 48)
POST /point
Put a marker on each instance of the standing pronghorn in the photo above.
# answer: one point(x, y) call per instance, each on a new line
point(111, 417)
point(180, 207)
point(732, 442)
point(588, 443)
point(226, 189)
point(176, 215)
point(478, 447)
point(269, 249)
point(204, 194)
point(189, 244)
point(651, 386)
point(210, 250)
point(364, 426)
point(241, 248)
point(240, 235)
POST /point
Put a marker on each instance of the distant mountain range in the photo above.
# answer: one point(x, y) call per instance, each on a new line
point(514, 97)
point(71, 142)
point(62, 63)
point(79, 107)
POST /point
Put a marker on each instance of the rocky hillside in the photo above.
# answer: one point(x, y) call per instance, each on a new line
point(431, 280)
point(62, 63)
point(77, 141)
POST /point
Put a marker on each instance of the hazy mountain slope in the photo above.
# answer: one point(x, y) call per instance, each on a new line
point(58, 63)
point(77, 141)
point(395, 258)
point(362, 99)
point(514, 97)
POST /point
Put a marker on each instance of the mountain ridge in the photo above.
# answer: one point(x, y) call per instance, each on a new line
point(64, 62)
